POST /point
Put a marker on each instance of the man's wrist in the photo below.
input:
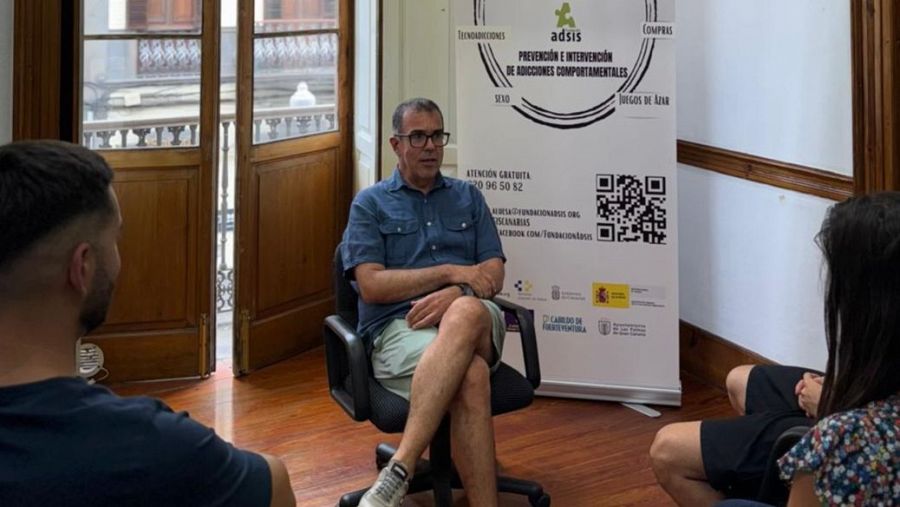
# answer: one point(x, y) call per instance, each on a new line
point(449, 273)
point(465, 289)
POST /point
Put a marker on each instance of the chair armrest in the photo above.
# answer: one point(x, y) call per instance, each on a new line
point(772, 490)
point(529, 339)
point(348, 367)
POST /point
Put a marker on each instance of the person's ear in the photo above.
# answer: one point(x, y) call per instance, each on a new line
point(82, 264)
point(395, 144)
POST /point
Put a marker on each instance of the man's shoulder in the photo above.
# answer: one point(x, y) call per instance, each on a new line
point(455, 182)
point(465, 193)
point(378, 189)
point(96, 409)
point(373, 197)
point(70, 395)
point(147, 427)
point(67, 432)
point(160, 425)
point(454, 185)
point(124, 409)
point(462, 187)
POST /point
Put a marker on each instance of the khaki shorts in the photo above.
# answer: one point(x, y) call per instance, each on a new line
point(397, 350)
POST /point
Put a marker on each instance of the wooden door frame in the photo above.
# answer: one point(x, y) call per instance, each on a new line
point(209, 156)
point(245, 308)
point(44, 53)
point(875, 36)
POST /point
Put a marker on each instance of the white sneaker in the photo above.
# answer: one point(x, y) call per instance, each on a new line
point(389, 489)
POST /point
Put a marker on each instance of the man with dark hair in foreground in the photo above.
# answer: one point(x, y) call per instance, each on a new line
point(63, 441)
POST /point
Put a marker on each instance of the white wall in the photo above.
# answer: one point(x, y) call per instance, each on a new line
point(6, 70)
point(365, 94)
point(418, 60)
point(767, 78)
point(748, 268)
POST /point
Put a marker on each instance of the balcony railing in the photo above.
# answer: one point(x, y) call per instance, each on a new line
point(168, 57)
point(268, 125)
point(294, 25)
point(178, 57)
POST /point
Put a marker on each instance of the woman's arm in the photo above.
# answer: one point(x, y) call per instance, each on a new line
point(803, 492)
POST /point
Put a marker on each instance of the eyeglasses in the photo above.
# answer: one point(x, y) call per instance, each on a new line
point(418, 139)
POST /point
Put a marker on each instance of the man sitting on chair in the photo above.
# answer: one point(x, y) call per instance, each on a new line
point(426, 257)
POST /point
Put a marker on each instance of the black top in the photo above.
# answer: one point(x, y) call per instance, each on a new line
point(65, 442)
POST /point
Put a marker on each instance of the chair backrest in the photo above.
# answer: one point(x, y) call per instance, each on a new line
point(345, 297)
point(772, 490)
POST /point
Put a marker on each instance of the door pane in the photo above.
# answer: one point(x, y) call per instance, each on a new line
point(141, 93)
point(141, 16)
point(294, 83)
point(291, 15)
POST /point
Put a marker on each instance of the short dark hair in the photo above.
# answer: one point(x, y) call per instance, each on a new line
point(44, 185)
point(418, 104)
point(860, 239)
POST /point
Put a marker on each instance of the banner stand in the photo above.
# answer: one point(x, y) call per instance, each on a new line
point(566, 114)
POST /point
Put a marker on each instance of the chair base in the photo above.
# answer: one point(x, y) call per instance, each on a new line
point(427, 478)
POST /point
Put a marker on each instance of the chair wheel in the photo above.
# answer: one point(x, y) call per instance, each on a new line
point(541, 501)
point(380, 462)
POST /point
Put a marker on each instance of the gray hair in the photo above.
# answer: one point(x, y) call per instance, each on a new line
point(418, 104)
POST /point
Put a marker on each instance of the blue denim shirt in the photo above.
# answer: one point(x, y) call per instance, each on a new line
point(397, 226)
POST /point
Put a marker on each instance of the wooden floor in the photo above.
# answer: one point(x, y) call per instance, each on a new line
point(583, 453)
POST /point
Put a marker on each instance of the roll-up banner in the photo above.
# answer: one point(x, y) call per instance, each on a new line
point(566, 115)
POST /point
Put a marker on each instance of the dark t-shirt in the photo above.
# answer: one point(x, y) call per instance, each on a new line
point(65, 442)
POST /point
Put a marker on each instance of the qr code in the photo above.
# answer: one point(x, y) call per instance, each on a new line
point(631, 208)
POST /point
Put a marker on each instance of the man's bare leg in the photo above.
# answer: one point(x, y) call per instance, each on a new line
point(736, 385)
point(678, 465)
point(472, 435)
point(465, 332)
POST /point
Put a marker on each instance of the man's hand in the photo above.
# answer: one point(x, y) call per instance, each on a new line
point(479, 278)
point(429, 310)
point(808, 391)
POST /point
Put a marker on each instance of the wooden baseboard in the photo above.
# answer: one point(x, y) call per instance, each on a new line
point(709, 358)
point(763, 170)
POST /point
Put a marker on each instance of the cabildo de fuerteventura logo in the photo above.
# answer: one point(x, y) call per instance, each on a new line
point(563, 324)
point(567, 31)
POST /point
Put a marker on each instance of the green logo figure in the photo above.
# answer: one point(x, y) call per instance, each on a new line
point(562, 16)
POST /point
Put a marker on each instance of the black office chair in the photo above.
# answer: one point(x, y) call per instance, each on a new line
point(355, 389)
point(773, 490)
